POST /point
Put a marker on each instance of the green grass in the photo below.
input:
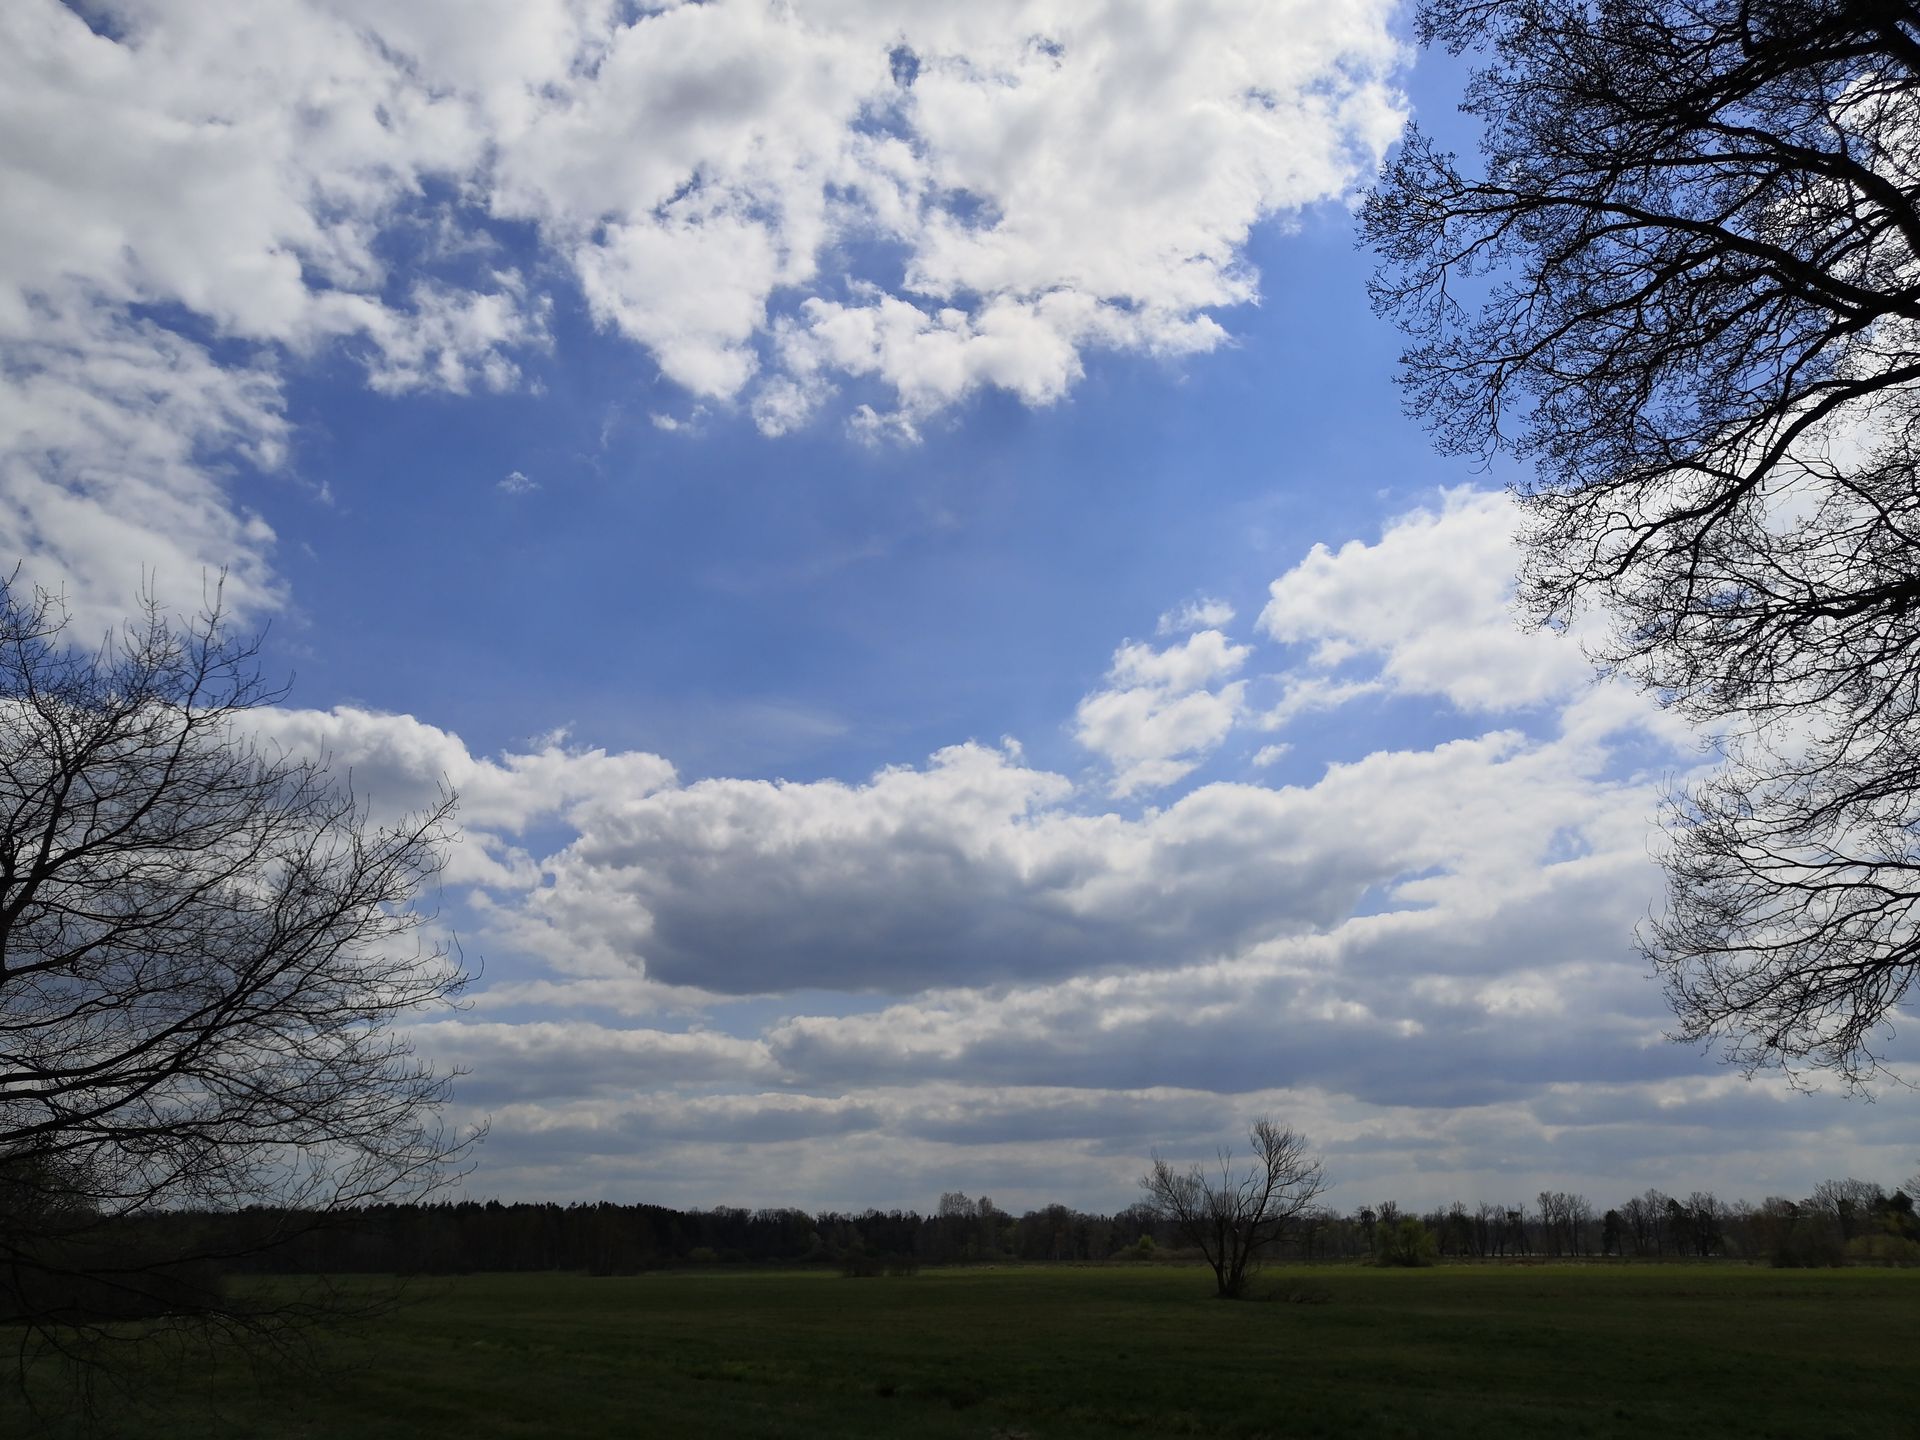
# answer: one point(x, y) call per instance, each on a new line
point(1019, 1352)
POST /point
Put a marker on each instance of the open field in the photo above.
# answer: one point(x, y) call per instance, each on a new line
point(1108, 1351)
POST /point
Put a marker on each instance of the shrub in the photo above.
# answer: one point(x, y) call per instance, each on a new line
point(1406, 1242)
point(1883, 1250)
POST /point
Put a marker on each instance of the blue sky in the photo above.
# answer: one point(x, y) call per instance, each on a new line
point(958, 670)
point(887, 598)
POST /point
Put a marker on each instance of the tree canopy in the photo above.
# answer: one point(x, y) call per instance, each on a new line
point(1682, 282)
point(204, 945)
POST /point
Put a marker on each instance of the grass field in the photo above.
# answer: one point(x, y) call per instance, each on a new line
point(1104, 1351)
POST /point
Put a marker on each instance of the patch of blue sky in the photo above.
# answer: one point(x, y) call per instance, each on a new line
point(439, 232)
point(680, 592)
point(198, 328)
point(1388, 897)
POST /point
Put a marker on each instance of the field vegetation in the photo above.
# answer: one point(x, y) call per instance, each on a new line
point(1139, 1349)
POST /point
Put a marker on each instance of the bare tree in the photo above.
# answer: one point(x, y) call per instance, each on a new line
point(1235, 1212)
point(1850, 1203)
point(1709, 1221)
point(1487, 1229)
point(1640, 1224)
point(1552, 1227)
point(203, 947)
point(1684, 283)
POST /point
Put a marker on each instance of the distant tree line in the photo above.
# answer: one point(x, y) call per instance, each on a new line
point(1841, 1222)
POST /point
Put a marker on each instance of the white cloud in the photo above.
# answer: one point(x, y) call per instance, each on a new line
point(1306, 694)
point(975, 869)
point(398, 765)
point(1156, 721)
point(1055, 177)
point(758, 195)
point(1155, 736)
point(1198, 660)
point(113, 434)
point(1431, 602)
point(455, 340)
point(515, 482)
point(241, 167)
point(1202, 613)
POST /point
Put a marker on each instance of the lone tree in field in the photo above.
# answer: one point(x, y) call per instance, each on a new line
point(1233, 1213)
point(203, 948)
point(1683, 281)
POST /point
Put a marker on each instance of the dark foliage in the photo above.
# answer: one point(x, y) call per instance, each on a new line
point(1683, 282)
point(606, 1239)
point(203, 945)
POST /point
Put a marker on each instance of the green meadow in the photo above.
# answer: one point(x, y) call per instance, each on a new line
point(1523, 1350)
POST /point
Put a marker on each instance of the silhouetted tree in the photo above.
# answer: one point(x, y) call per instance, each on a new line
point(1455, 1229)
point(1684, 283)
point(203, 946)
point(1235, 1213)
point(1613, 1232)
point(1513, 1235)
point(1850, 1204)
point(1707, 1217)
point(1486, 1228)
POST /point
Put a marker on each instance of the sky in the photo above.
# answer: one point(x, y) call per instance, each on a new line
point(898, 525)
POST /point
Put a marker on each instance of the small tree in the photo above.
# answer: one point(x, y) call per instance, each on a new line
point(1406, 1242)
point(203, 947)
point(1234, 1214)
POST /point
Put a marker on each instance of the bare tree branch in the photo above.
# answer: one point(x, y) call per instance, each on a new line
point(1692, 244)
point(1234, 1215)
point(203, 948)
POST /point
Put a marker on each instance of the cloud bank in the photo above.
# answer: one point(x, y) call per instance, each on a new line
point(974, 972)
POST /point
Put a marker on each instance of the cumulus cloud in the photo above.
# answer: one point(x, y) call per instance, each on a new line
point(976, 869)
point(399, 765)
point(1047, 178)
point(774, 202)
point(1337, 1011)
point(1431, 603)
point(113, 437)
point(1198, 660)
point(241, 168)
point(454, 340)
point(1204, 613)
point(1157, 719)
point(973, 971)
point(1423, 956)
